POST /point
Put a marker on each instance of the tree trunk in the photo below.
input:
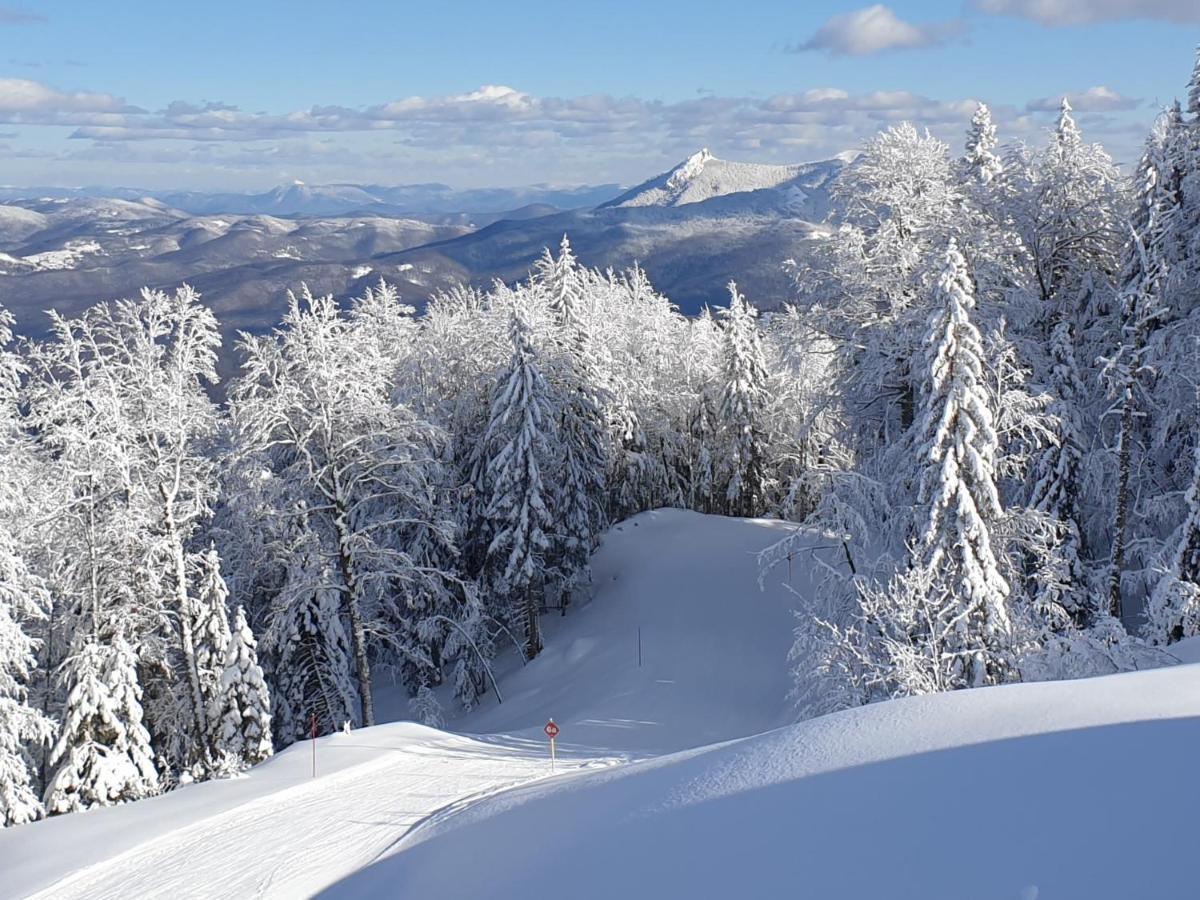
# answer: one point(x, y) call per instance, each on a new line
point(1121, 520)
point(187, 640)
point(533, 631)
point(358, 635)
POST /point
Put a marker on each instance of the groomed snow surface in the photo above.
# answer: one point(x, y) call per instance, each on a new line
point(680, 777)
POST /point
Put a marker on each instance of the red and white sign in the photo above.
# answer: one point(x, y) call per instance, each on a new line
point(551, 730)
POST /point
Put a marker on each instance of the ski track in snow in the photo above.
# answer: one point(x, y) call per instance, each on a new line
point(335, 825)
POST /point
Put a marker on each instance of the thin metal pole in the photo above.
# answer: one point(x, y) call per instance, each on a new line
point(639, 646)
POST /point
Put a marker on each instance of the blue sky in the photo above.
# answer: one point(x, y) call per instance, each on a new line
point(250, 94)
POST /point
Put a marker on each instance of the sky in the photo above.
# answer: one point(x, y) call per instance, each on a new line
point(216, 95)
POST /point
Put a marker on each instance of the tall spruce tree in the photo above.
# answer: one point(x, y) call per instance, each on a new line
point(980, 161)
point(741, 412)
point(968, 617)
point(517, 449)
point(580, 485)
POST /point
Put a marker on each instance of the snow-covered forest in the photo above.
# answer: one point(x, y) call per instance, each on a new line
point(983, 391)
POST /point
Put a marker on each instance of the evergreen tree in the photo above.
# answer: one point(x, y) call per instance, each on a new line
point(21, 725)
point(1173, 612)
point(1056, 478)
point(212, 639)
point(743, 398)
point(579, 488)
point(242, 712)
point(981, 162)
point(968, 595)
point(517, 448)
point(312, 677)
point(103, 754)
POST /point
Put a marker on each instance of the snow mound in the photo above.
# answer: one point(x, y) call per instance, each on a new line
point(994, 793)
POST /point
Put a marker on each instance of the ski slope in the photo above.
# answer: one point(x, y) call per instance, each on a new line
point(680, 773)
point(293, 842)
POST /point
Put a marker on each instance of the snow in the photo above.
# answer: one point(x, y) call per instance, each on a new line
point(278, 832)
point(703, 176)
point(361, 271)
point(944, 796)
point(711, 643)
point(719, 794)
point(65, 258)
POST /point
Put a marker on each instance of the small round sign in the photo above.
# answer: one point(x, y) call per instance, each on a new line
point(551, 730)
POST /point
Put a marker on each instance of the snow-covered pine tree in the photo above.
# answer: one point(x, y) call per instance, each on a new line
point(242, 711)
point(103, 754)
point(1056, 477)
point(579, 486)
point(212, 637)
point(21, 725)
point(980, 161)
point(560, 279)
point(967, 605)
point(517, 449)
point(312, 677)
point(740, 414)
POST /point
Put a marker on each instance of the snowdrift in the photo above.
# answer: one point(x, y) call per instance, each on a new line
point(1067, 790)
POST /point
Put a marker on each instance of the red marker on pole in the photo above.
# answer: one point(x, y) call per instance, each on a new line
point(551, 732)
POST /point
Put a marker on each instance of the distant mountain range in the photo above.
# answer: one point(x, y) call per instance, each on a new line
point(300, 199)
point(693, 228)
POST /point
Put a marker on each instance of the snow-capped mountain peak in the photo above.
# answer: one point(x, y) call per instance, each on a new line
point(796, 189)
point(689, 169)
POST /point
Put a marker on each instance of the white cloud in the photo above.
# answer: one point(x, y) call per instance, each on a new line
point(1094, 99)
point(1083, 12)
point(30, 102)
point(876, 29)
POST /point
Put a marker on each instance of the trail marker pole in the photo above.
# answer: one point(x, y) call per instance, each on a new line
point(551, 732)
point(313, 725)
